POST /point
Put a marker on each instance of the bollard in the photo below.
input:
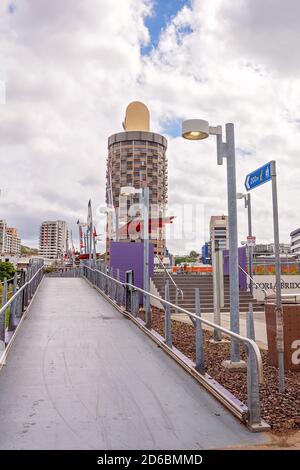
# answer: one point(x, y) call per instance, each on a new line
point(168, 321)
point(200, 365)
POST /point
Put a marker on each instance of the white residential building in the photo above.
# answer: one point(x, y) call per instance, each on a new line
point(10, 242)
point(53, 241)
point(295, 242)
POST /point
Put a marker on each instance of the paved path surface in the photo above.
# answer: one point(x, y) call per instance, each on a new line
point(81, 376)
point(259, 324)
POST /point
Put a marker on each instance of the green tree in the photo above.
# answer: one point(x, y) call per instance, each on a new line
point(6, 270)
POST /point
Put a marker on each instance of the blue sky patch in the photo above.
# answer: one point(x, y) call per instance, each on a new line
point(162, 14)
point(244, 152)
point(172, 127)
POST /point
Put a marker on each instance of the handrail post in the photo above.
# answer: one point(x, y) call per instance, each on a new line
point(118, 287)
point(135, 302)
point(176, 300)
point(168, 321)
point(128, 291)
point(254, 418)
point(250, 323)
point(200, 367)
point(13, 307)
point(3, 316)
point(23, 297)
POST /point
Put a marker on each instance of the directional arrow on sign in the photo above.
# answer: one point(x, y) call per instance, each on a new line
point(260, 176)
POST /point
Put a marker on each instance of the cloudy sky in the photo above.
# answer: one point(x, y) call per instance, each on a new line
point(68, 69)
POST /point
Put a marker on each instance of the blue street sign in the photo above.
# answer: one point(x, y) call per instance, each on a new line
point(260, 176)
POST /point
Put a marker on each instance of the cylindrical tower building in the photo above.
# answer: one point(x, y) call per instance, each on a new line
point(137, 157)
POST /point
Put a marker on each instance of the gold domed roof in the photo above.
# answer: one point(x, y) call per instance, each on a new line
point(137, 117)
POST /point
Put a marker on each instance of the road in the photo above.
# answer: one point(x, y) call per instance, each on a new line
point(80, 375)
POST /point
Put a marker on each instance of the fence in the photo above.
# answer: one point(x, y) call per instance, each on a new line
point(268, 267)
point(12, 309)
point(65, 272)
point(126, 296)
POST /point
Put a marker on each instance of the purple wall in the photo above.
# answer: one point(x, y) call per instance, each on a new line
point(242, 263)
point(126, 256)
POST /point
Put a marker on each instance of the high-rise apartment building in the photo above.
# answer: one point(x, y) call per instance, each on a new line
point(13, 242)
point(53, 239)
point(10, 242)
point(137, 157)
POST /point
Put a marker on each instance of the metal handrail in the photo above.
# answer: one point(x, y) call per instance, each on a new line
point(227, 332)
point(7, 280)
point(13, 297)
point(170, 277)
point(255, 283)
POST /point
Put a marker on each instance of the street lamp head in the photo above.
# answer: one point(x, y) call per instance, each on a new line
point(195, 129)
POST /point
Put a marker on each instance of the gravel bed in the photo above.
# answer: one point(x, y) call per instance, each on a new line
point(281, 411)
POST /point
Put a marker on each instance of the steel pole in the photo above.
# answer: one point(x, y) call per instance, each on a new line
point(145, 196)
point(117, 223)
point(90, 244)
point(233, 241)
point(216, 288)
point(279, 313)
point(250, 252)
point(95, 251)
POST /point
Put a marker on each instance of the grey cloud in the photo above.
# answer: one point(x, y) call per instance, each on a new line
point(268, 31)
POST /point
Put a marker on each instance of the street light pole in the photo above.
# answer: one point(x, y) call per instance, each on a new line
point(247, 200)
point(117, 223)
point(145, 199)
point(233, 241)
point(197, 129)
point(279, 313)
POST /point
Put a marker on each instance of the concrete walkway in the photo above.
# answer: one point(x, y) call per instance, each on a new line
point(259, 324)
point(81, 376)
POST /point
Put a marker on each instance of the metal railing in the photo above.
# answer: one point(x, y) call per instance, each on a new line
point(253, 282)
point(7, 280)
point(12, 310)
point(127, 296)
point(177, 289)
point(74, 271)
